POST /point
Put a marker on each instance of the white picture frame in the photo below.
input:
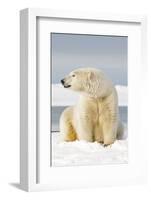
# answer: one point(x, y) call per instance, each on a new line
point(35, 173)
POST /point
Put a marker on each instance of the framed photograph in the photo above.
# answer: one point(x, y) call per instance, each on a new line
point(81, 89)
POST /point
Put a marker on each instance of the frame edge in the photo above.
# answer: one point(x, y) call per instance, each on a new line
point(24, 99)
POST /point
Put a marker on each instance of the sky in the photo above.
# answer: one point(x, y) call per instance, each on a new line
point(71, 51)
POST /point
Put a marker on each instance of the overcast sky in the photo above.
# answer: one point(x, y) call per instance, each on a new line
point(71, 51)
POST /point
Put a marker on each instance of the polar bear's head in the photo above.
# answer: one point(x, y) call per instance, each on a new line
point(90, 81)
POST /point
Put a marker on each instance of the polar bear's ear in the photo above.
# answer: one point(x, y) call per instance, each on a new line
point(91, 76)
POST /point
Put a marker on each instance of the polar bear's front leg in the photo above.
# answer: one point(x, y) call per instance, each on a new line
point(110, 118)
point(109, 132)
point(67, 130)
point(84, 129)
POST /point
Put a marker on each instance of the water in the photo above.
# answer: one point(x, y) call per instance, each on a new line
point(57, 110)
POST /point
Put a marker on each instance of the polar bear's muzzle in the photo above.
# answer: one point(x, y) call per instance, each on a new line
point(64, 84)
point(67, 86)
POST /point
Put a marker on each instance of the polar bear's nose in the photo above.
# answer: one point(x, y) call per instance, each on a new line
point(62, 81)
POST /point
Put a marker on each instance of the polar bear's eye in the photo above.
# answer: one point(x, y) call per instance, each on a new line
point(73, 75)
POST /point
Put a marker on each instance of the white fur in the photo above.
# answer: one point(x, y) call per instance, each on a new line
point(95, 117)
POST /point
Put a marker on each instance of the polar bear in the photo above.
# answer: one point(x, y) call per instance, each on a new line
point(95, 117)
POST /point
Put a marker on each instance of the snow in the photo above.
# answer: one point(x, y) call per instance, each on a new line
point(62, 96)
point(66, 97)
point(122, 92)
point(88, 153)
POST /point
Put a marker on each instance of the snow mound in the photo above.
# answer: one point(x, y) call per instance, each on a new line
point(66, 97)
point(122, 92)
point(62, 96)
point(87, 153)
